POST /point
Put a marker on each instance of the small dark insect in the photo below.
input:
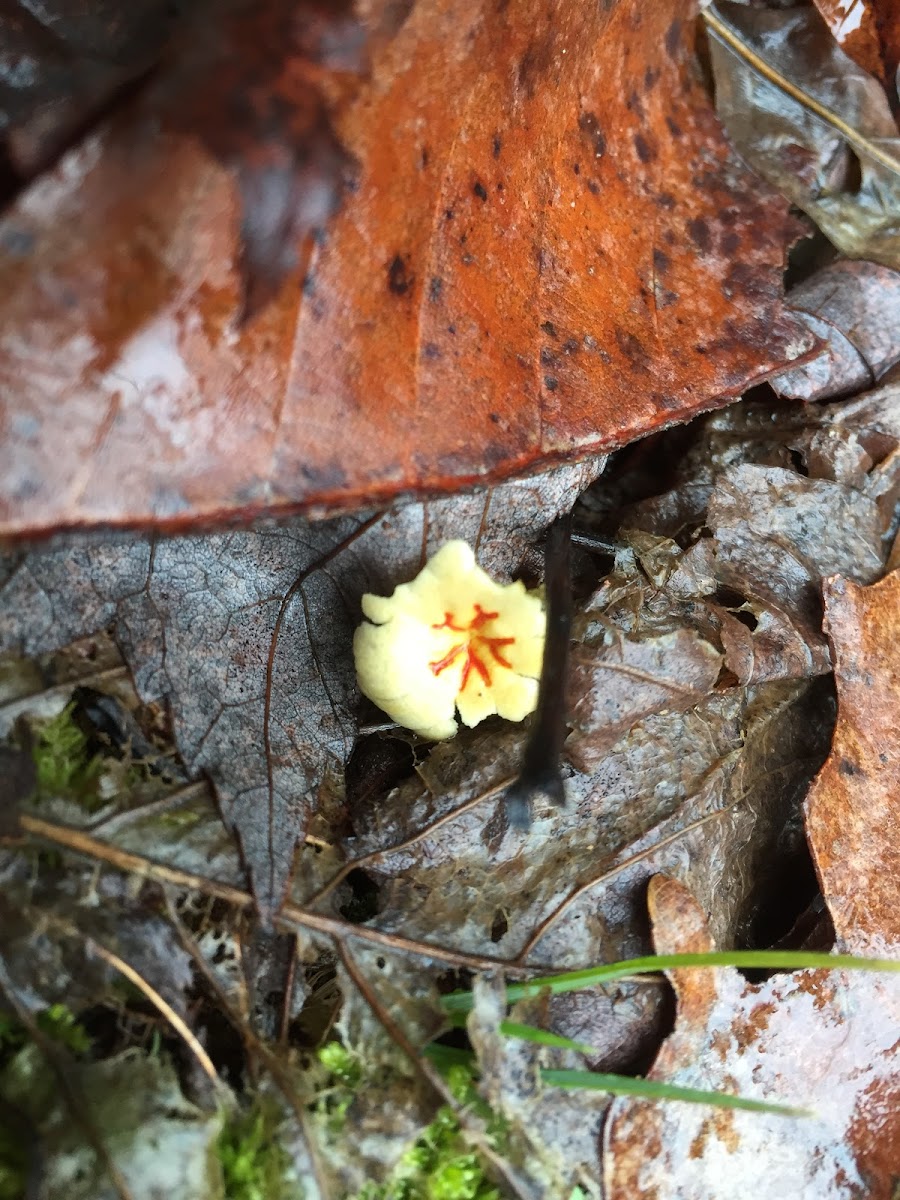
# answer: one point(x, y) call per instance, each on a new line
point(541, 774)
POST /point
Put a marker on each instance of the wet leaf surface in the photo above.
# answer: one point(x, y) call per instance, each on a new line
point(546, 247)
point(851, 191)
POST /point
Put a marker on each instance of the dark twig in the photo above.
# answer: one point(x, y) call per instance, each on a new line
point(290, 918)
point(541, 774)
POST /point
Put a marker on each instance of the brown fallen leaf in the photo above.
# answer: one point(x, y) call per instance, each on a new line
point(854, 308)
point(548, 249)
point(851, 812)
point(869, 32)
point(820, 131)
point(825, 1040)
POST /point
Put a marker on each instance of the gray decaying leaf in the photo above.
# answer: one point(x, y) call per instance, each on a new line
point(853, 198)
point(48, 919)
point(162, 1144)
point(854, 307)
point(248, 636)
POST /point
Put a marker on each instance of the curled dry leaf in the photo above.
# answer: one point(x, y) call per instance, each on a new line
point(850, 188)
point(825, 1040)
point(248, 636)
point(548, 248)
point(854, 308)
point(869, 32)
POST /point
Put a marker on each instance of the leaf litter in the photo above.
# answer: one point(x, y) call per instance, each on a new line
point(685, 600)
point(700, 647)
point(385, 872)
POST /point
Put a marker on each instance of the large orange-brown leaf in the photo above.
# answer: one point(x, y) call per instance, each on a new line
point(548, 249)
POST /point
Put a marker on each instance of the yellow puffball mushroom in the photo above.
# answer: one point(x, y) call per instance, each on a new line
point(451, 640)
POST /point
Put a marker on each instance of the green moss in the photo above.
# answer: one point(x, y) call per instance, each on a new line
point(253, 1162)
point(344, 1077)
point(57, 1022)
point(341, 1063)
point(439, 1165)
point(64, 765)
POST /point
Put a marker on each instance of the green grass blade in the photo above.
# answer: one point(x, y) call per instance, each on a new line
point(654, 1089)
point(529, 1033)
point(445, 1057)
point(789, 960)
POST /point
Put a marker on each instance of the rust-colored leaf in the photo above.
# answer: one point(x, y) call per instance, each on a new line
point(825, 1040)
point(548, 249)
point(851, 812)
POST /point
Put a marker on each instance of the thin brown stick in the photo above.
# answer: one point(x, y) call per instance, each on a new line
point(159, 1003)
point(290, 918)
point(70, 1090)
point(472, 1130)
point(289, 984)
point(254, 1044)
point(375, 855)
